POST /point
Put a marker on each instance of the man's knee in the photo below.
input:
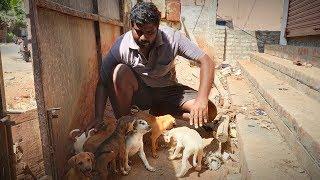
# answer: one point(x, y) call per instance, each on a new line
point(212, 111)
point(124, 77)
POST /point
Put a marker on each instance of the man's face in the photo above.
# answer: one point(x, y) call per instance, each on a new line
point(145, 34)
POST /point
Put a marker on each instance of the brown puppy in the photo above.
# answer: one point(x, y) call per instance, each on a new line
point(113, 148)
point(159, 124)
point(81, 166)
point(97, 138)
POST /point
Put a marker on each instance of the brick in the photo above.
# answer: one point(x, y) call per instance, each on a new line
point(173, 10)
point(161, 5)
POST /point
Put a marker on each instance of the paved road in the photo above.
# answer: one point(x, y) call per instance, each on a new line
point(12, 60)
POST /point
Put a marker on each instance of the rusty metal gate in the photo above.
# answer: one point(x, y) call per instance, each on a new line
point(303, 18)
point(69, 37)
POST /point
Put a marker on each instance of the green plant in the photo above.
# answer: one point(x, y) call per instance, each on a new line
point(12, 14)
point(10, 37)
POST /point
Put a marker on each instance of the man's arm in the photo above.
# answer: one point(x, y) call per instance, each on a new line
point(189, 50)
point(100, 101)
point(103, 89)
point(199, 110)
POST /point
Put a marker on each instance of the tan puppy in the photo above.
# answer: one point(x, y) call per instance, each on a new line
point(134, 144)
point(191, 141)
point(81, 165)
point(158, 124)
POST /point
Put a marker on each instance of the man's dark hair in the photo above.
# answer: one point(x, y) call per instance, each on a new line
point(145, 13)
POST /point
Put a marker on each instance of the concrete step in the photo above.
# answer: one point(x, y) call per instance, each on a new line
point(304, 54)
point(304, 79)
point(264, 153)
point(294, 113)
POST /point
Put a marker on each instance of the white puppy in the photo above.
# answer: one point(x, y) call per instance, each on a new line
point(79, 139)
point(134, 143)
point(192, 143)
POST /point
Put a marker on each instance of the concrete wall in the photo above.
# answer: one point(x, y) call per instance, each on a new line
point(170, 11)
point(222, 43)
point(252, 14)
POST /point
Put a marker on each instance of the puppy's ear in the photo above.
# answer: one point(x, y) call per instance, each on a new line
point(134, 109)
point(73, 134)
point(131, 126)
point(135, 124)
point(165, 133)
point(72, 161)
point(91, 155)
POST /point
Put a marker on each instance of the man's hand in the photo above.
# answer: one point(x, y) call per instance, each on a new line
point(199, 112)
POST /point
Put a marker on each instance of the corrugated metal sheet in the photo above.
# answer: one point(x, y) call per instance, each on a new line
point(303, 18)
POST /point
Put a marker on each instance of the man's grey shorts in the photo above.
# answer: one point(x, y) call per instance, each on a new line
point(162, 100)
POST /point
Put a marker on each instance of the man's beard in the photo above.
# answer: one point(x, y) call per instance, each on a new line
point(144, 43)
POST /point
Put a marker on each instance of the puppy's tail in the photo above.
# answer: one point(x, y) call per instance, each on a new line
point(91, 132)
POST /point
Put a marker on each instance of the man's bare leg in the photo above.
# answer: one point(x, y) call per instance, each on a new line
point(125, 84)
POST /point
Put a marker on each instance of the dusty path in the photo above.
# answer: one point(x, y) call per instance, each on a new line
point(18, 79)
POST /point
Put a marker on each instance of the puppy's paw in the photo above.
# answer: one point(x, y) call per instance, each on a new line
point(128, 168)
point(179, 175)
point(115, 171)
point(150, 168)
point(198, 168)
point(124, 172)
point(171, 157)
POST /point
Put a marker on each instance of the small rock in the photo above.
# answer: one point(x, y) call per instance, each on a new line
point(237, 72)
point(283, 89)
point(265, 125)
point(26, 96)
point(298, 63)
point(308, 65)
point(260, 112)
point(233, 133)
point(226, 71)
point(234, 158)
point(225, 156)
point(301, 170)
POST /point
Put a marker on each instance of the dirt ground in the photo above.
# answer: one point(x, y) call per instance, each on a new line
point(18, 79)
point(20, 95)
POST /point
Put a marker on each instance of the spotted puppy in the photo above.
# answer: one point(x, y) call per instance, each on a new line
point(79, 139)
point(134, 143)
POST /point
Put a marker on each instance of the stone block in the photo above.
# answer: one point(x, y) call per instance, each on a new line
point(173, 10)
point(161, 5)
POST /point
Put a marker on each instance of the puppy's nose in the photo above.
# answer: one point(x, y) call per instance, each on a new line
point(88, 168)
point(174, 123)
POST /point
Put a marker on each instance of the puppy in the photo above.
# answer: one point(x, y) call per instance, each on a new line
point(103, 133)
point(134, 143)
point(113, 148)
point(158, 124)
point(81, 165)
point(191, 141)
point(79, 139)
